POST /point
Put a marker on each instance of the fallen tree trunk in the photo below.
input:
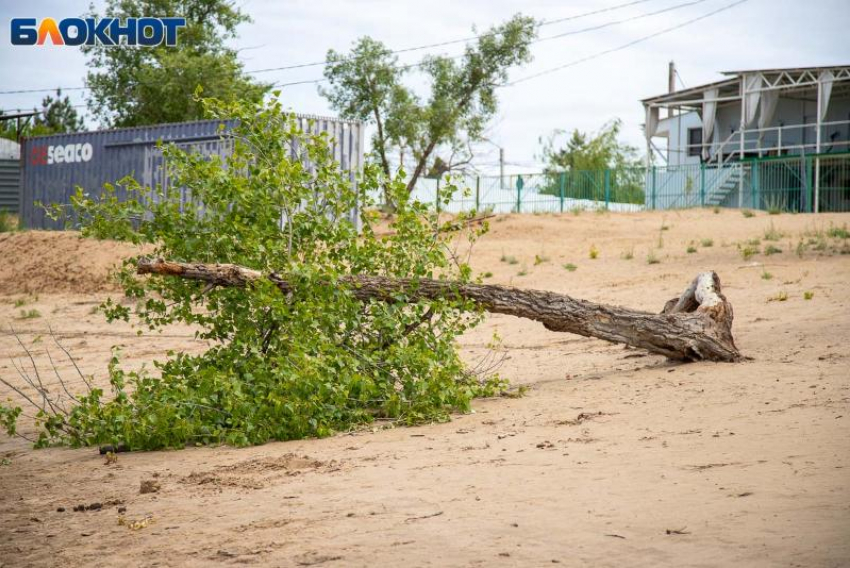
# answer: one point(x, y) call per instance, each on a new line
point(695, 326)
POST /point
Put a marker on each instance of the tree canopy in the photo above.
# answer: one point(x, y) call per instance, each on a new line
point(368, 84)
point(589, 152)
point(132, 87)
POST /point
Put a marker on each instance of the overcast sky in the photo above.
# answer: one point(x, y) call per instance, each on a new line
point(755, 34)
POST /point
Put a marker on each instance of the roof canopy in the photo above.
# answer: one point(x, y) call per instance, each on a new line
point(795, 79)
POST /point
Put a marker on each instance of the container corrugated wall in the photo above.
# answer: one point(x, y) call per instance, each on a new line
point(53, 166)
point(10, 185)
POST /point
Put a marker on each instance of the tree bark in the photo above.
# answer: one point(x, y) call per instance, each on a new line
point(695, 326)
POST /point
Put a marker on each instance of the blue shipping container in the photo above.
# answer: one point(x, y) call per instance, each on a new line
point(53, 166)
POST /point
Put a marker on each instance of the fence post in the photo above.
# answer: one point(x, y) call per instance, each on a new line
point(702, 184)
point(519, 184)
point(755, 185)
point(607, 179)
point(562, 182)
point(653, 187)
point(807, 162)
point(477, 192)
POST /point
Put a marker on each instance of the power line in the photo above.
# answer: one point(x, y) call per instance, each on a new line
point(463, 40)
point(623, 21)
point(625, 45)
point(408, 49)
point(538, 40)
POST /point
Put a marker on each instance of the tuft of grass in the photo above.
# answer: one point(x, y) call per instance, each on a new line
point(765, 275)
point(771, 249)
point(771, 234)
point(774, 210)
point(838, 232)
point(8, 222)
point(716, 209)
point(29, 314)
point(509, 259)
point(594, 252)
point(20, 302)
point(540, 259)
point(523, 272)
point(652, 259)
point(576, 210)
point(801, 248)
point(487, 274)
point(628, 254)
point(707, 243)
point(780, 297)
point(747, 213)
point(570, 267)
point(748, 251)
point(754, 242)
point(808, 295)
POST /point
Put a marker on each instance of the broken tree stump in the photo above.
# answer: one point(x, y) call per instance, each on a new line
point(695, 326)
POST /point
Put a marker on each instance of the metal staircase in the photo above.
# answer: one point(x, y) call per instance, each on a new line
point(728, 180)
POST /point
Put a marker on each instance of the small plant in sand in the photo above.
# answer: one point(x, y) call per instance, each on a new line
point(20, 302)
point(509, 259)
point(523, 271)
point(487, 274)
point(838, 232)
point(771, 249)
point(716, 209)
point(747, 213)
point(29, 314)
point(772, 234)
point(706, 243)
point(594, 252)
point(540, 259)
point(765, 275)
point(779, 297)
point(691, 249)
point(628, 254)
point(748, 251)
point(808, 295)
point(576, 210)
point(8, 222)
point(651, 258)
point(570, 267)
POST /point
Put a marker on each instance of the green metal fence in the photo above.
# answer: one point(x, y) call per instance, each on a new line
point(788, 183)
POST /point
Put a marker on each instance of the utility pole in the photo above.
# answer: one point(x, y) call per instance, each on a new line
point(671, 83)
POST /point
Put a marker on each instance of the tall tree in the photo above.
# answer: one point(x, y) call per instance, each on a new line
point(57, 115)
point(367, 84)
point(131, 87)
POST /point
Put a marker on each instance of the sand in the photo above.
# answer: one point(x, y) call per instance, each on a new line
point(612, 458)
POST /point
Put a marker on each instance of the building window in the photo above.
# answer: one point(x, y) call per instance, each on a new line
point(694, 142)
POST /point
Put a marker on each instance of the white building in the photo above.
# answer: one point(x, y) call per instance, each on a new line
point(727, 126)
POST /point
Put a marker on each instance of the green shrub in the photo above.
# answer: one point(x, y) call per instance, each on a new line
point(8, 222)
point(570, 267)
point(281, 366)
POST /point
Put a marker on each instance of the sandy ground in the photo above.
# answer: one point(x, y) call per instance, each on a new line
point(612, 458)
